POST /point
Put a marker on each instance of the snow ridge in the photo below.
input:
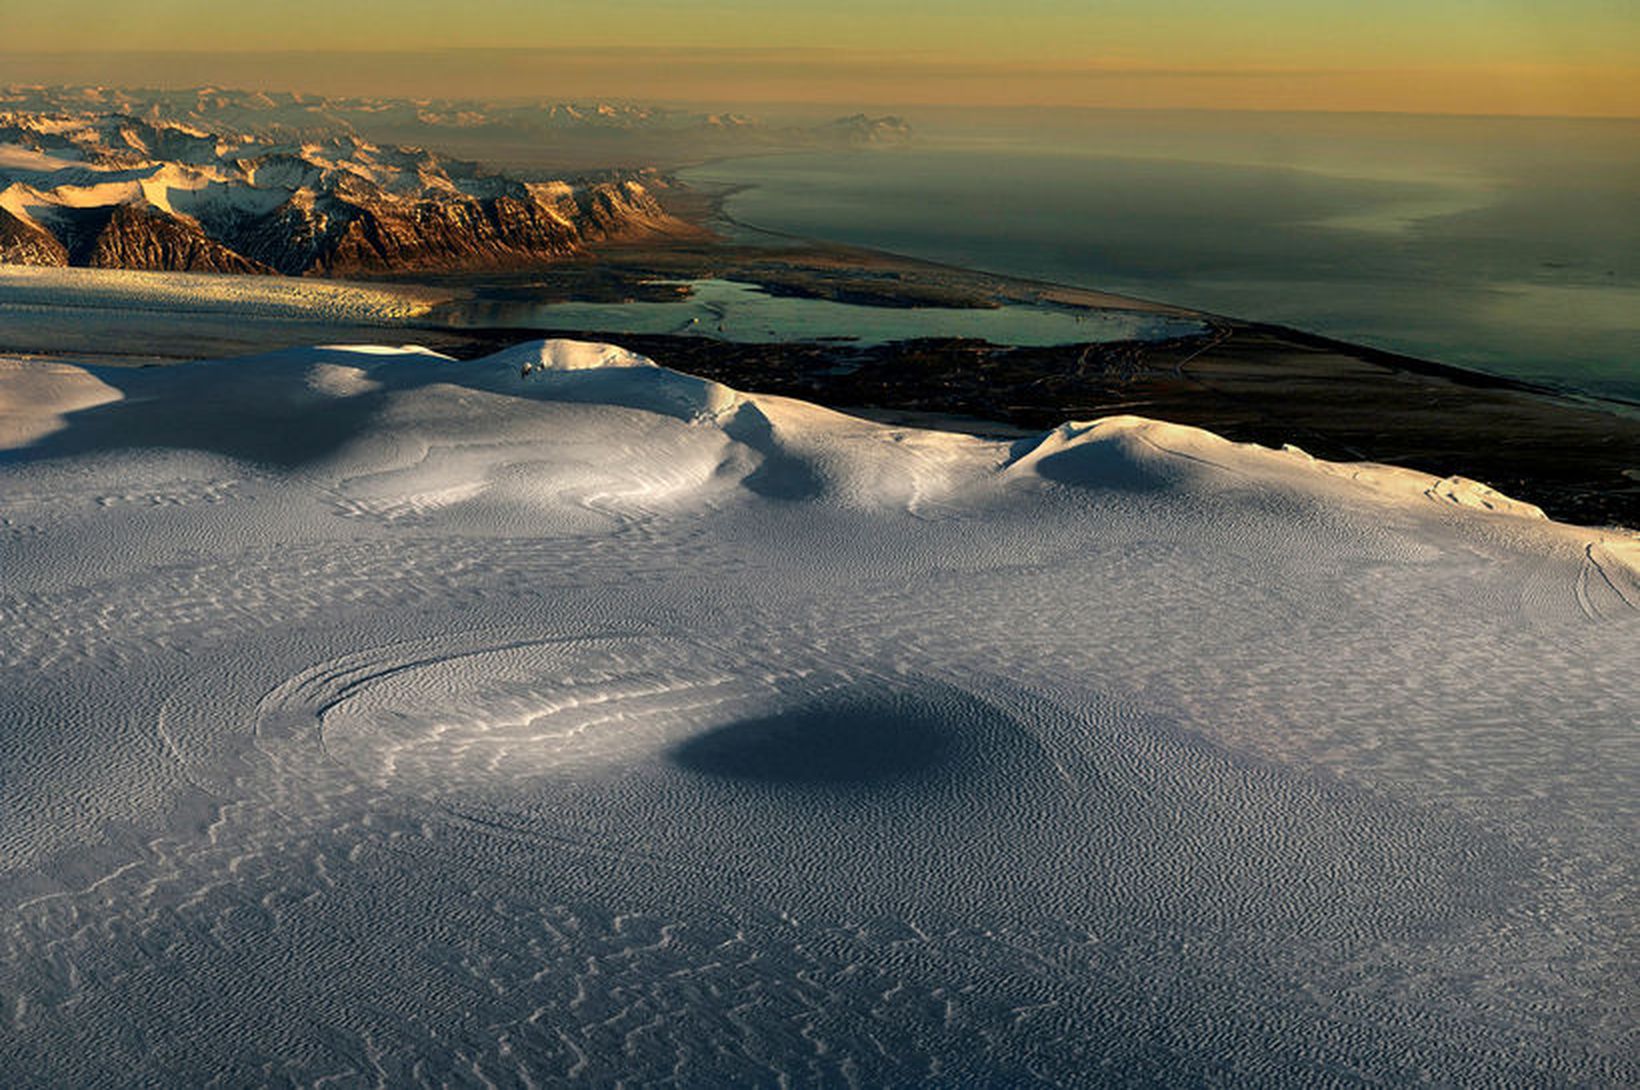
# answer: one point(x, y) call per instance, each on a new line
point(372, 715)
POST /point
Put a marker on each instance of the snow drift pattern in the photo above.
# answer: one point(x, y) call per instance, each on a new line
point(557, 717)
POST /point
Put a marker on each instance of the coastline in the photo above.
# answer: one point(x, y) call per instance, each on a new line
point(1576, 456)
point(1344, 254)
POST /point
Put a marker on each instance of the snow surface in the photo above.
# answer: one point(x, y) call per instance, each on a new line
point(35, 394)
point(378, 718)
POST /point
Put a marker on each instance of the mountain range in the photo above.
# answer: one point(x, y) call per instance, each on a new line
point(289, 115)
point(114, 191)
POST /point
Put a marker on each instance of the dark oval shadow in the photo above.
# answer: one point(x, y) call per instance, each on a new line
point(1100, 465)
point(858, 741)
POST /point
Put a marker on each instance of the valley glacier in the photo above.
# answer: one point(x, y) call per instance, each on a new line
point(375, 718)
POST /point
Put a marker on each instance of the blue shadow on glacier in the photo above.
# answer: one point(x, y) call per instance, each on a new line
point(856, 744)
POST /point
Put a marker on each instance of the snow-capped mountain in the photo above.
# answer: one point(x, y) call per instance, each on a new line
point(286, 115)
point(99, 187)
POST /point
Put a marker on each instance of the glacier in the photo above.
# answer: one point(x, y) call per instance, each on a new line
point(376, 718)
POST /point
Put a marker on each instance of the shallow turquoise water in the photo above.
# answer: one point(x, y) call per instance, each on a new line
point(734, 311)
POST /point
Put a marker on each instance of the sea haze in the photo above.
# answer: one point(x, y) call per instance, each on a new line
point(1509, 245)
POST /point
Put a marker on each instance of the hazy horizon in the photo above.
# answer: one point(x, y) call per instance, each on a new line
point(1435, 57)
point(264, 73)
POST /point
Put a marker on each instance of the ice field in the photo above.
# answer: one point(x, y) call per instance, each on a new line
point(372, 718)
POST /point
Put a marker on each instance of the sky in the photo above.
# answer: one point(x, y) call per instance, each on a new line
point(1570, 57)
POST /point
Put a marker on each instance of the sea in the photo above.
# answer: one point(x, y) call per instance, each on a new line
point(1507, 245)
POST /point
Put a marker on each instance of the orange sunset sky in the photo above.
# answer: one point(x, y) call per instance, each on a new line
point(1573, 57)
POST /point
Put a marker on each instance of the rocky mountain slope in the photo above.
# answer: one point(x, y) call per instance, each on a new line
point(95, 186)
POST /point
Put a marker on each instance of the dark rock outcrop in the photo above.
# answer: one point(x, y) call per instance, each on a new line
point(147, 238)
point(22, 243)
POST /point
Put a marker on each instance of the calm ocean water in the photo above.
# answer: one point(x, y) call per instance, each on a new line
point(1506, 245)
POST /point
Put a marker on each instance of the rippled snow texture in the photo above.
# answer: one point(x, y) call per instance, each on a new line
point(371, 718)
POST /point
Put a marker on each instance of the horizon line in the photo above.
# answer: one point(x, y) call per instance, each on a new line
point(811, 104)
